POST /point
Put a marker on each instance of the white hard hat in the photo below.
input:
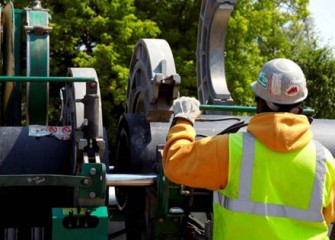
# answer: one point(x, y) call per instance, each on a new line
point(281, 81)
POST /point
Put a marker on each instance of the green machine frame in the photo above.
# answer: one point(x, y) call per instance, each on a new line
point(88, 218)
point(38, 48)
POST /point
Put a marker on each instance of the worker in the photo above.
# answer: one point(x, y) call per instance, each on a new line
point(272, 181)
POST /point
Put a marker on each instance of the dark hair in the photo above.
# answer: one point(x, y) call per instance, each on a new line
point(281, 107)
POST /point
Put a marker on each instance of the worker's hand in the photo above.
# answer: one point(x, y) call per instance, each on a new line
point(187, 108)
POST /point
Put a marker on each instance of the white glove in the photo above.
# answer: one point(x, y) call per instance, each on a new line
point(187, 108)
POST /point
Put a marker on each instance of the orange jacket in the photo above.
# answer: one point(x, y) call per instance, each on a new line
point(204, 163)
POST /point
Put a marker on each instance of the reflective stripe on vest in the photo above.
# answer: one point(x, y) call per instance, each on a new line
point(245, 205)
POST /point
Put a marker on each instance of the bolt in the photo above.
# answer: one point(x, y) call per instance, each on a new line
point(93, 171)
point(37, 4)
point(93, 194)
point(93, 84)
point(86, 182)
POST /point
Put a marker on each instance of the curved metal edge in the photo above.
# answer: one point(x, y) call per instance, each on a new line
point(153, 81)
point(213, 25)
point(79, 89)
point(8, 33)
point(74, 114)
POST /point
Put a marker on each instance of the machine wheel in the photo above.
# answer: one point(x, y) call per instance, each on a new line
point(153, 81)
point(122, 166)
point(153, 85)
point(130, 200)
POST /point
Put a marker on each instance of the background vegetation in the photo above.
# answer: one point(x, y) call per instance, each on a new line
point(102, 33)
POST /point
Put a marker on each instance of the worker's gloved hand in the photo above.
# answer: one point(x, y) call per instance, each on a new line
point(186, 108)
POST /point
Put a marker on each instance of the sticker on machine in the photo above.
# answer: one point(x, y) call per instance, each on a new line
point(61, 133)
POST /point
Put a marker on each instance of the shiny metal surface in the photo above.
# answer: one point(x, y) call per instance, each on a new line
point(130, 180)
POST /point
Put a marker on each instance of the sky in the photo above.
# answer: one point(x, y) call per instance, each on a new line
point(323, 13)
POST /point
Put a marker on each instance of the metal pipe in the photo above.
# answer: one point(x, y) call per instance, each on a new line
point(130, 180)
point(44, 79)
point(307, 111)
point(40, 180)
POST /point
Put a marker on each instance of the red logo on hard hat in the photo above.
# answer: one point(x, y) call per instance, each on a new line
point(292, 90)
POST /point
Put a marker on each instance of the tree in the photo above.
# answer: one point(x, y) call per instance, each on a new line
point(319, 68)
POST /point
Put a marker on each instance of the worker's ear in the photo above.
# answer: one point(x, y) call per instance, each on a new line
point(296, 110)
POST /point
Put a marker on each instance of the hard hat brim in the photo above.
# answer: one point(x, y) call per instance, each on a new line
point(253, 85)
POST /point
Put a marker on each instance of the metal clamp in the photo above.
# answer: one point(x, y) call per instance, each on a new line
point(38, 30)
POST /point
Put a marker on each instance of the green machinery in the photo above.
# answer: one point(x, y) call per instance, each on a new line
point(54, 180)
point(51, 176)
point(57, 182)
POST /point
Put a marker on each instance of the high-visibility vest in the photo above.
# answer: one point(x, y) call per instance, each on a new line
point(272, 195)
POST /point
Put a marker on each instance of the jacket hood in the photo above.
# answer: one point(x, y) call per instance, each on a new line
point(282, 132)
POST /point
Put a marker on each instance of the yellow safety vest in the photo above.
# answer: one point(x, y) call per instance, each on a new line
point(272, 195)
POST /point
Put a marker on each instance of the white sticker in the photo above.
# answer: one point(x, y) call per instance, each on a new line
point(276, 84)
point(38, 131)
point(61, 133)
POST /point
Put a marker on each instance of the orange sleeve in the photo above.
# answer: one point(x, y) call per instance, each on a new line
point(201, 164)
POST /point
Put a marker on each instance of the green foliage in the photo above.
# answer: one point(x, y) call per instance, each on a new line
point(243, 58)
point(319, 68)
